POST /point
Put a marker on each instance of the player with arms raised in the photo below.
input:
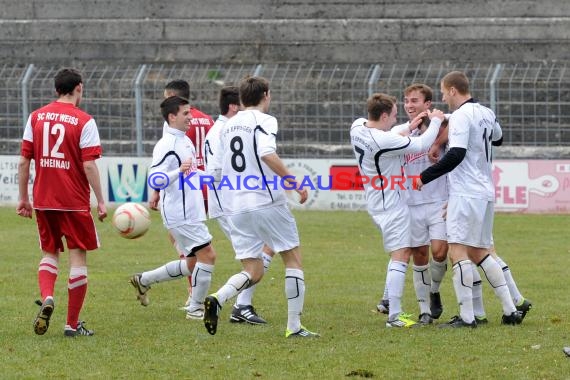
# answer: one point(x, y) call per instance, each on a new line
point(64, 143)
point(380, 155)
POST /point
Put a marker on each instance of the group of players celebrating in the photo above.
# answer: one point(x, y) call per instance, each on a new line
point(449, 206)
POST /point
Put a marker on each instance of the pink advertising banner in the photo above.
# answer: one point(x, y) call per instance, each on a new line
point(533, 186)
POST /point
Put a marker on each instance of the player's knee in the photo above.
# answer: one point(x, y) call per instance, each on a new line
point(206, 254)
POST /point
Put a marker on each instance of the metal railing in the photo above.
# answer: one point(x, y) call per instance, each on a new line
point(315, 103)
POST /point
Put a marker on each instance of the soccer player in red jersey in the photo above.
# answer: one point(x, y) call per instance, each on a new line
point(64, 143)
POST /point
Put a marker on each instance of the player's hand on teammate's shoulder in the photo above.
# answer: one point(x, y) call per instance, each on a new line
point(436, 113)
point(24, 209)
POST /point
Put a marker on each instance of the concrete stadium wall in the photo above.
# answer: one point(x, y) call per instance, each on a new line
point(227, 31)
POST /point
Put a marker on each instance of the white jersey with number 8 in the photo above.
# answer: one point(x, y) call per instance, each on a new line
point(247, 183)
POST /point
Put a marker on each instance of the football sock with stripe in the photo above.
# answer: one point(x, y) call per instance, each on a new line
point(47, 275)
point(495, 276)
point(168, 272)
point(437, 270)
point(422, 283)
point(513, 289)
point(246, 296)
point(76, 290)
point(233, 286)
point(201, 280)
point(463, 285)
point(396, 280)
point(295, 293)
point(478, 307)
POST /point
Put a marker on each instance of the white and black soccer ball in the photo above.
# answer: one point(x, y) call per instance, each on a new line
point(131, 220)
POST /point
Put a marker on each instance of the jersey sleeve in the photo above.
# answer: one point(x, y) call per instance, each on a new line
point(497, 131)
point(89, 142)
point(266, 139)
point(458, 130)
point(393, 144)
point(401, 128)
point(213, 149)
point(28, 140)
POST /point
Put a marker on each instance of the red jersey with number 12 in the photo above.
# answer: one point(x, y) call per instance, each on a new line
point(59, 137)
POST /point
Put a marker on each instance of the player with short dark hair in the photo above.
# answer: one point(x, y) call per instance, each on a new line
point(182, 211)
point(64, 143)
point(199, 126)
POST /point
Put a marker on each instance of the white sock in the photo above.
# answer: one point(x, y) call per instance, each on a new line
point(245, 297)
point(478, 307)
point(463, 285)
point(437, 271)
point(201, 279)
point(385, 295)
point(233, 286)
point(497, 280)
point(295, 292)
point(422, 283)
point(515, 294)
point(168, 272)
point(396, 280)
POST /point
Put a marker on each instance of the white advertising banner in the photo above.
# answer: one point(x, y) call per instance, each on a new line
point(531, 186)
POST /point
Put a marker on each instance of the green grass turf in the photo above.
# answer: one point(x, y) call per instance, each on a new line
point(344, 271)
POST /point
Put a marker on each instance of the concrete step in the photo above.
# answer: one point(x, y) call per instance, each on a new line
point(278, 9)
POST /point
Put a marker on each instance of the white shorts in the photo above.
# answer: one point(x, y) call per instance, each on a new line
point(395, 227)
point(190, 236)
point(274, 226)
point(225, 225)
point(470, 221)
point(427, 223)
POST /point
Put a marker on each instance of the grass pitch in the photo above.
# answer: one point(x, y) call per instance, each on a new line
point(344, 271)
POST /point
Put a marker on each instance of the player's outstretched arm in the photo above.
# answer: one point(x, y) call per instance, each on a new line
point(92, 173)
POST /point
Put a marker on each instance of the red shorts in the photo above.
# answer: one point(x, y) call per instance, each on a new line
point(77, 227)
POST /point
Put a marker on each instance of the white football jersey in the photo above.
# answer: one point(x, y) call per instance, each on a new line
point(181, 202)
point(415, 163)
point(247, 183)
point(381, 153)
point(213, 157)
point(473, 127)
